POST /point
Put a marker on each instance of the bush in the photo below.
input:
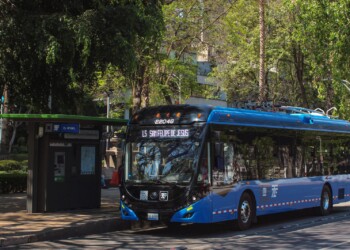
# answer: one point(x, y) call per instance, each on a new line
point(18, 157)
point(13, 176)
point(9, 165)
point(24, 165)
point(13, 181)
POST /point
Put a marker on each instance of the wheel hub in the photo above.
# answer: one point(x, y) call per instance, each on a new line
point(245, 211)
point(325, 201)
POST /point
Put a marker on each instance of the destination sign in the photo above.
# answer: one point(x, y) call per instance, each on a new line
point(165, 133)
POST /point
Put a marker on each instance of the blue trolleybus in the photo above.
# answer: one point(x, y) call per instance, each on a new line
point(203, 164)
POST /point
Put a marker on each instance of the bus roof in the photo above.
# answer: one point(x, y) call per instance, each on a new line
point(283, 120)
point(287, 117)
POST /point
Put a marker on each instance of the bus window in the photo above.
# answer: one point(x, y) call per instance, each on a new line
point(298, 161)
point(203, 175)
point(313, 157)
point(261, 155)
point(224, 172)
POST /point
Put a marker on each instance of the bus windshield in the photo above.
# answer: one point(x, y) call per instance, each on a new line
point(162, 154)
point(169, 161)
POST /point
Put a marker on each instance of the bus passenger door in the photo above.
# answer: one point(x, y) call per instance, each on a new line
point(224, 174)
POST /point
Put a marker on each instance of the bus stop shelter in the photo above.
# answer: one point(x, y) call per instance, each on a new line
point(65, 155)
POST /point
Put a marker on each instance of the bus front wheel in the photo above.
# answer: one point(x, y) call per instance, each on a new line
point(326, 201)
point(245, 212)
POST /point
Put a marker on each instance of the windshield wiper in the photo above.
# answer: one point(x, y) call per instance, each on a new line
point(158, 181)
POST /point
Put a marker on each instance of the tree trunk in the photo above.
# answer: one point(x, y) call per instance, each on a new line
point(145, 91)
point(329, 93)
point(137, 89)
point(13, 137)
point(164, 80)
point(299, 69)
point(263, 95)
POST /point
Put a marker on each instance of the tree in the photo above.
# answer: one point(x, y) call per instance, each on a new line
point(241, 69)
point(321, 29)
point(239, 49)
point(55, 48)
point(187, 25)
point(145, 48)
point(51, 51)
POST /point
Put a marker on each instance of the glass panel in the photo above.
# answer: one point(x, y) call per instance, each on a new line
point(334, 155)
point(249, 155)
point(274, 154)
point(88, 160)
point(225, 171)
point(203, 175)
point(162, 161)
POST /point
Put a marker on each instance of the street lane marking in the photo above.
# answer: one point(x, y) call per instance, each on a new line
point(336, 245)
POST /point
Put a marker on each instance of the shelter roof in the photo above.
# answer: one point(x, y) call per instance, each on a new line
point(64, 118)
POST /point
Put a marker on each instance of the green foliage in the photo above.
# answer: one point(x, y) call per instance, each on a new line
point(240, 73)
point(8, 165)
point(54, 48)
point(21, 157)
point(321, 27)
point(72, 50)
point(112, 83)
point(178, 85)
point(188, 25)
point(13, 182)
point(13, 176)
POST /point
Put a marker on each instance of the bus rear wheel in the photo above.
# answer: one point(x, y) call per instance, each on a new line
point(326, 201)
point(245, 212)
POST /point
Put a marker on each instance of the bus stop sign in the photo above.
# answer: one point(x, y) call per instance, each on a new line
point(66, 128)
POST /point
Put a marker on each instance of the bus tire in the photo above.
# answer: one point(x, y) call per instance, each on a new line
point(326, 204)
point(245, 212)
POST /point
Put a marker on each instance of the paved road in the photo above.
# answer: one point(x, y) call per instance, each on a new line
point(287, 231)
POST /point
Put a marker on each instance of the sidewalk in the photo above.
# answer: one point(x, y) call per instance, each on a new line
point(19, 227)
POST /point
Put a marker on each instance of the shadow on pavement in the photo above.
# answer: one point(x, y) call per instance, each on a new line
point(18, 227)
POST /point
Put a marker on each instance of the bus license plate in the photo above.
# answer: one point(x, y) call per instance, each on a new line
point(152, 216)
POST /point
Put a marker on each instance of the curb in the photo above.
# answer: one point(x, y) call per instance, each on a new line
point(93, 227)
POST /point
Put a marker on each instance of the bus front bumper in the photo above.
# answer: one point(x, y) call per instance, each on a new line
point(199, 212)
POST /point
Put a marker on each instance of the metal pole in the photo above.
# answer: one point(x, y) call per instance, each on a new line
point(108, 107)
point(1, 125)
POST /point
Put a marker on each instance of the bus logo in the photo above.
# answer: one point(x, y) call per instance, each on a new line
point(163, 195)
